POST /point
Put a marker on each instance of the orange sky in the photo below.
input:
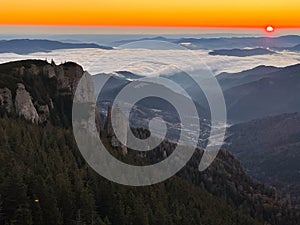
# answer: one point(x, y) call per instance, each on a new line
point(199, 13)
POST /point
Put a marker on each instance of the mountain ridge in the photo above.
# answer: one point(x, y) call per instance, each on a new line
point(242, 52)
point(270, 151)
point(27, 46)
point(282, 42)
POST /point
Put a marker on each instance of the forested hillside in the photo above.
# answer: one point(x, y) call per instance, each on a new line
point(45, 181)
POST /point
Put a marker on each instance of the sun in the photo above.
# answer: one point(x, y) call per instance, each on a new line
point(270, 29)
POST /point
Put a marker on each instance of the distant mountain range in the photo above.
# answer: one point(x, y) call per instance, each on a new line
point(242, 52)
point(256, 93)
point(261, 92)
point(27, 46)
point(251, 94)
point(231, 46)
point(295, 48)
point(230, 80)
point(288, 42)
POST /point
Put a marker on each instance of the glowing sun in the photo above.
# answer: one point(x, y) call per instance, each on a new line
point(270, 29)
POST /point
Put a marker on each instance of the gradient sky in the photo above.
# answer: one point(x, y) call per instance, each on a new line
point(199, 13)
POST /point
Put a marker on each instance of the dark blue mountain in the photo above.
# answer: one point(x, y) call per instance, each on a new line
point(283, 42)
point(242, 52)
point(27, 46)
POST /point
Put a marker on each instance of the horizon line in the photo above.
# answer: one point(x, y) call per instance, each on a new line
point(145, 30)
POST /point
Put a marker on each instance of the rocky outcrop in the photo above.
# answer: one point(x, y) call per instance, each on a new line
point(120, 121)
point(34, 69)
point(121, 124)
point(24, 105)
point(68, 76)
point(44, 113)
point(51, 86)
point(21, 70)
point(49, 70)
point(6, 101)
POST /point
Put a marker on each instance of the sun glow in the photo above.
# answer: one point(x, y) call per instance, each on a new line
point(270, 29)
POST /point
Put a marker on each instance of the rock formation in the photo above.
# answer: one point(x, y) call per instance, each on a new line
point(6, 101)
point(36, 106)
point(34, 69)
point(24, 105)
point(49, 70)
point(68, 76)
point(120, 121)
point(44, 113)
point(121, 124)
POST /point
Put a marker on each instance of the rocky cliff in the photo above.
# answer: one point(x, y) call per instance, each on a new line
point(121, 125)
point(39, 91)
point(24, 105)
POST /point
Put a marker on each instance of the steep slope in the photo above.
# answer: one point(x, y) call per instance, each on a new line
point(269, 149)
point(251, 94)
point(263, 94)
point(230, 80)
point(44, 179)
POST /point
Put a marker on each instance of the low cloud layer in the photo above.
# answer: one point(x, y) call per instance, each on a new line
point(157, 62)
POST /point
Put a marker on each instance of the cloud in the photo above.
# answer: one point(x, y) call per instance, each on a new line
point(157, 62)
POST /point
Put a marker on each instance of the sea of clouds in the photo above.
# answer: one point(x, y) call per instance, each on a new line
point(156, 62)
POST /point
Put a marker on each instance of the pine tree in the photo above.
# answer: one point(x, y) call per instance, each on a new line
point(23, 215)
point(1, 212)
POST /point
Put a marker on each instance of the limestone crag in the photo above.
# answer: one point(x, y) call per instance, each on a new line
point(24, 105)
point(6, 101)
point(121, 125)
point(68, 76)
point(40, 89)
point(34, 69)
point(44, 113)
point(49, 70)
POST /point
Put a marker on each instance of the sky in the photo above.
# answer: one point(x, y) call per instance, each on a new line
point(157, 13)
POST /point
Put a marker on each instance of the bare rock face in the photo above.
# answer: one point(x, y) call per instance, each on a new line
point(68, 76)
point(109, 132)
point(120, 121)
point(34, 69)
point(65, 77)
point(21, 70)
point(85, 91)
point(49, 70)
point(6, 99)
point(24, 105)
point(51, 103)
point(44, 113)
point(86, 111)
point(121, 125)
